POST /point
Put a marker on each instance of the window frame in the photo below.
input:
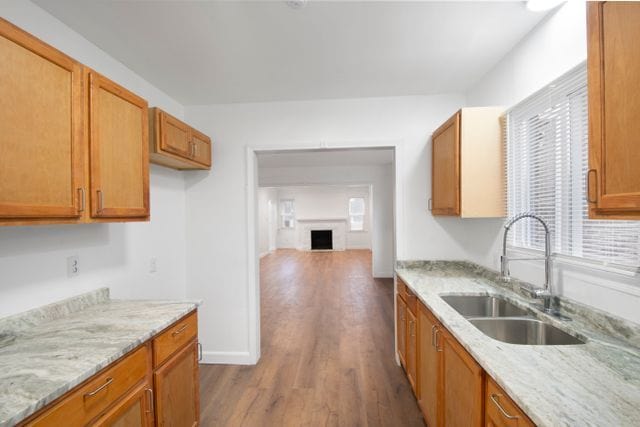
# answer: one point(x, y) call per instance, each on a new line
point(573, 199)
point(363, 215)
point(282, 215)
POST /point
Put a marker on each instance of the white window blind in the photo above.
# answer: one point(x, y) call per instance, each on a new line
point(547, 161)
point(356, 214)
point(287, 214)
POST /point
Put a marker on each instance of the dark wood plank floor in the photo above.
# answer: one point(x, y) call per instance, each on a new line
point(327, 350)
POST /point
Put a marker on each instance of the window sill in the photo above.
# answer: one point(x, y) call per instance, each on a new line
point(581, 262)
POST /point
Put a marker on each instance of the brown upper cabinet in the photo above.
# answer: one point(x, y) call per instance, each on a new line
point(118, 122)
point(176, 144)
point(73, 145)
point(467, 165)
point(613, 58)
point(41, 135)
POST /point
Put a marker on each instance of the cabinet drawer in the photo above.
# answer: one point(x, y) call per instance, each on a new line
point(96, 395)
point(500, 410)
point(174, 338)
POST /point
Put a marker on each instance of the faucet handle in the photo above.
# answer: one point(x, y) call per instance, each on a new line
point(505, 274)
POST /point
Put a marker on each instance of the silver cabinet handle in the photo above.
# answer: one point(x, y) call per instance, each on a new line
point(179, 331)
point(81, 197)
point(151, 407)
point(199, 351)
point(433, 338)
point(494, 398)
point(99, 389)
point(100, 200)
point(430, 204)
point(437, 347)
point(195, 149)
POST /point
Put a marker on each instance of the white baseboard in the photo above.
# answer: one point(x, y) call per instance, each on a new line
point(383, 274)
point(227, 358)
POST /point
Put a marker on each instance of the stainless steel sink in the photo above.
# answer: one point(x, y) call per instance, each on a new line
point(524, 331)
point(483, 306)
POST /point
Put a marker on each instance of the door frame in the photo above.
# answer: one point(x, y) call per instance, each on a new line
point(253, 252)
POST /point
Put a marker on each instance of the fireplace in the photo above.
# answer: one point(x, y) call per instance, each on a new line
point(321, 239)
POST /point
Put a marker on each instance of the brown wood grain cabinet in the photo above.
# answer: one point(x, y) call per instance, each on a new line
point(119, 134)
point(452, 389)
point(41, 129)
point(74, 145)
point(177, 389)
point(613, 65)
point(401, 330)
point(177, 145)
point(500, 410)
point(407, 331)
point(462, 382)
point(412, 342)
point(138, 389)
point(135, 410)
point(428, 366)
point(467, 165)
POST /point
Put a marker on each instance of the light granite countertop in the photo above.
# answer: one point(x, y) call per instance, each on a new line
point(593, 384)
point(47, 351)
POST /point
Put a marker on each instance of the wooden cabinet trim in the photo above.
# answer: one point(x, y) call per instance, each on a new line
point(401, 329)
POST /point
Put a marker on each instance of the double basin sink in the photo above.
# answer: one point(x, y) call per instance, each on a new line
point(501, 320)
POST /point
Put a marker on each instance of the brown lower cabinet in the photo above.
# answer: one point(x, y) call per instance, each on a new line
point(452, 389)
point(139, 389)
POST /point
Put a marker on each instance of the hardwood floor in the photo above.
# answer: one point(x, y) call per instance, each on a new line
point(327, 350)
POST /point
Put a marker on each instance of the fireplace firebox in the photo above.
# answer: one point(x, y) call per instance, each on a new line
point(321, 239)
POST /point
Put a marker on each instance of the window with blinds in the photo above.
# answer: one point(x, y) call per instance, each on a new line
point(547, 161)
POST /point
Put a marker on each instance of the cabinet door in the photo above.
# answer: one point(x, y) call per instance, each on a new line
point(428, 366)
point(201, 148)
point(445, 168)
point(174, 136)
point(119, 151)
point(461, 384)
point(41, 152)
point(412, 338)
point(177, 389)
point(500, 410)
point(401, 329)
point(135, 410)
point(614, 107)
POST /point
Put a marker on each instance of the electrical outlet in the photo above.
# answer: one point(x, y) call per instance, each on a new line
point(73, 266)
point(153, 265)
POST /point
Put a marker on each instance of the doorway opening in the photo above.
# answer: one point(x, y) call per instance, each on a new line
point(318, 210)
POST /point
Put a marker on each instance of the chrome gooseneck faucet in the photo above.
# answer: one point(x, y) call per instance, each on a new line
point(542, 293)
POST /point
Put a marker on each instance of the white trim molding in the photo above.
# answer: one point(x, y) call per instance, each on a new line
point(227, 358)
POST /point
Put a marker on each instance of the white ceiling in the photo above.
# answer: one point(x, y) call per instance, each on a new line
point(310, 158)
point(223, 52)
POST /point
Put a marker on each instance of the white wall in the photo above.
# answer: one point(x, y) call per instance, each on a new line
point(326, 202)
point(33, 259)
point(555, 46)
point(217, 248)
point(266, 229)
